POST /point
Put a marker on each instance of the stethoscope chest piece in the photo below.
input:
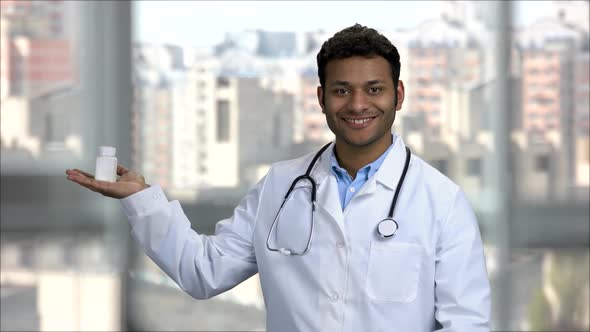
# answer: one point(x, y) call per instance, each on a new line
point(387, 228)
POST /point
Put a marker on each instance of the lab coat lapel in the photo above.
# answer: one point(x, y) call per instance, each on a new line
point(391, 170)
point(328, 197)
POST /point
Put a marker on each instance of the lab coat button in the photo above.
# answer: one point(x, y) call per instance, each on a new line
point(334, 297)
point(340, 244)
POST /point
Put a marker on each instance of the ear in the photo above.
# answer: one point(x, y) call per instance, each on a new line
point(320, 93)
point(400, 92)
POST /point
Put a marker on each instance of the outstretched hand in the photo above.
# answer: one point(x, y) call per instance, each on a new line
point(128, 183)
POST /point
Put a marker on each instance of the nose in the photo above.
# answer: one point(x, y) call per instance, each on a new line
point(359, 102)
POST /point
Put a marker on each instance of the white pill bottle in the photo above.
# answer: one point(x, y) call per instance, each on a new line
point(106, 164)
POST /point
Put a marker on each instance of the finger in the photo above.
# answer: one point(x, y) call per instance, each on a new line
point(77, 177)
point(91, 184)
point(121, 169)
point(86, 182)
point(88, 187)
point(84, 173)
point(71, 171)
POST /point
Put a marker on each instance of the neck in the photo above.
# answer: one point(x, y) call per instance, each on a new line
point(353, 158)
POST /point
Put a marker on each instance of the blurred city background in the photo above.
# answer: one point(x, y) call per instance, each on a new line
point(201, 97)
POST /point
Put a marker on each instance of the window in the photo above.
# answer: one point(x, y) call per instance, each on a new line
point(238, 51)
point(277, 128)
point(435, 130)
point(441, 165)
point(69, 95)
point(36, 149)
point(542, 163)
point(222, 82)
point(541, 100)
point(474, 166)
point(222, 121)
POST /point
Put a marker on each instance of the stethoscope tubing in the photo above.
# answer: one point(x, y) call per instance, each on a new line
point(401, 182)
point(307, 176)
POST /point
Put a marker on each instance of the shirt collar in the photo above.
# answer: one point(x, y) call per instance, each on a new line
point(388, 174)
point(366, 171)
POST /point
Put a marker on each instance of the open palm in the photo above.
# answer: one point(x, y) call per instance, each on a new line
point(128, 183)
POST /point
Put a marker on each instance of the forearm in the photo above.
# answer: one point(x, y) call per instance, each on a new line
point(197, 263)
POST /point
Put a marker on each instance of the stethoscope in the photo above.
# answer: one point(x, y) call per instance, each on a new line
point(386, 228)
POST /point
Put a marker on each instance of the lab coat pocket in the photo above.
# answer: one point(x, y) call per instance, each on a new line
point(394, 271)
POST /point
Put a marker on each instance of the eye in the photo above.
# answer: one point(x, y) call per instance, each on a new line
point(375, 90)
point(341, 91)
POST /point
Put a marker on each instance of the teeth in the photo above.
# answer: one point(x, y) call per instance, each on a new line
point(358, 121)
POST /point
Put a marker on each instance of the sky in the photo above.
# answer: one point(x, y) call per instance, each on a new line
point(203, 24)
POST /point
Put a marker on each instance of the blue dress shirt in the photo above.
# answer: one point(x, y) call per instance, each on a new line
point(347, 186)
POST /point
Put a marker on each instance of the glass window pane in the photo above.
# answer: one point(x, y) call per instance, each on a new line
point(496, 99)
point(62, 250)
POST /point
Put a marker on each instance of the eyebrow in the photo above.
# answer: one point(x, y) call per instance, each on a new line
point(373, 82)
point(346, 83)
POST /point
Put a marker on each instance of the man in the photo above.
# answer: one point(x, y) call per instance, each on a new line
point(390, 245)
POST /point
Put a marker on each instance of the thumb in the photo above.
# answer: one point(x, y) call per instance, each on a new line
point(121, 169)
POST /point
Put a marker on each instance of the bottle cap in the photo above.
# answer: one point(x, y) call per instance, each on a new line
point(107, 151)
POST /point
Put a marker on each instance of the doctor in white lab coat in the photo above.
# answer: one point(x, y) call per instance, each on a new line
point(337, 273)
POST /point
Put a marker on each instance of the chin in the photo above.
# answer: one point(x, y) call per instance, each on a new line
point(359, 142)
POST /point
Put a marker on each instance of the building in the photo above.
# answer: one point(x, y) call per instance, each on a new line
point(155, 80)
point(15, 121)
point(440, 53)
point(537, 167)
point(266, 125)
point(555, 95)
point(215, 125)
point(575, 14)
point(37, 56)
point(314, 121)
point(582, 93)
point(38, 78)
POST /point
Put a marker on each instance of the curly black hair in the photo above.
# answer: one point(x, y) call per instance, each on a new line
point(357, 40)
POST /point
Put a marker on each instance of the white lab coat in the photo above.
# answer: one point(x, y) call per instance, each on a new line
point(350, 280)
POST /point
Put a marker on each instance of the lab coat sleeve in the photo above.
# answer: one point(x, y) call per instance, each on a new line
point(462, 288)
point(201, 265)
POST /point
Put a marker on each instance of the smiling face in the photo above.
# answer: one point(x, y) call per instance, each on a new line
point(359, 100)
